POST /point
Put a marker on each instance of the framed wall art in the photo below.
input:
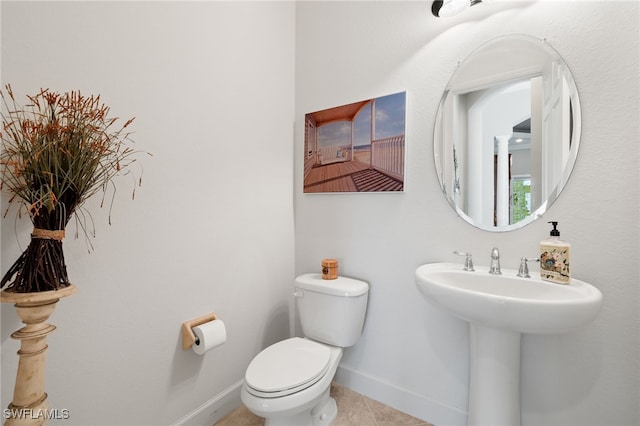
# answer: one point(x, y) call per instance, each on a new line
point(357, 147)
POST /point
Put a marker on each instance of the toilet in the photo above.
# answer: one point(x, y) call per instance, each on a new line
point(288, 383)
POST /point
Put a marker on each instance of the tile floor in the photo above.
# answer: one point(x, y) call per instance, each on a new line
point(354, 409)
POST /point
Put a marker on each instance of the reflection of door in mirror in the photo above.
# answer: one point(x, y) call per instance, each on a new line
point(558, 128)
point(499, 124)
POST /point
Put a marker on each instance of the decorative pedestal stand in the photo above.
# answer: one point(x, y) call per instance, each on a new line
point(28, 406)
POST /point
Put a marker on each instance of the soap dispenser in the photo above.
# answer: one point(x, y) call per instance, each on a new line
point(554, 258)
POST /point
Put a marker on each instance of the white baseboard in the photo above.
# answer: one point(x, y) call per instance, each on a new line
point(401, 399)
point(404, 400)
point(214, 409)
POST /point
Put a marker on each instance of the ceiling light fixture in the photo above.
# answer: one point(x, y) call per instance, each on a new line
point(447, 8)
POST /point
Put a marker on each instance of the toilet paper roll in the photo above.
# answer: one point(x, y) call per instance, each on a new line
point(208, 336)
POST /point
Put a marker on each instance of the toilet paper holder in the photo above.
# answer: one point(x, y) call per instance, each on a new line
point(188, 338)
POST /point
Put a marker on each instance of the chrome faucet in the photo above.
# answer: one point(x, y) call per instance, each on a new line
point(523, 270)
point(495, 262)
point(468, 262)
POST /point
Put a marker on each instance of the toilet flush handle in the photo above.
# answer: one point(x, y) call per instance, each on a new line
point(298, 294)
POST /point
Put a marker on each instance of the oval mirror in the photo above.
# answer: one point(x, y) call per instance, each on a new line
point(507, 132)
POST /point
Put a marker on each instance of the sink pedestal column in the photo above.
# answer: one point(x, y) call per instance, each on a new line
point(494, 376)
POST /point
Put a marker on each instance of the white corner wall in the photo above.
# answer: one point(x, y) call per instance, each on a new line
point(413, 355)
point(211, 228)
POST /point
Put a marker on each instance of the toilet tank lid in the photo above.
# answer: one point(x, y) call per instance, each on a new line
point(341, 286)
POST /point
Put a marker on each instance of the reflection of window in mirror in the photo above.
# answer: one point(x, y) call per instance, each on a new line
point(520, 198)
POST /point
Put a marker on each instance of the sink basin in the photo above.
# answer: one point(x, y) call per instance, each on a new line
point(499, 308)
point(525, 305)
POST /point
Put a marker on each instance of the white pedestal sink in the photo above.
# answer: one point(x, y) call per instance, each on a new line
point(499, 308)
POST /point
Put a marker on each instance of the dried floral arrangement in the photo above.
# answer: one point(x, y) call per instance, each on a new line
point(57, 151)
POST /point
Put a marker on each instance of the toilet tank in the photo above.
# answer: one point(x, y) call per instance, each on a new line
point(331, 311)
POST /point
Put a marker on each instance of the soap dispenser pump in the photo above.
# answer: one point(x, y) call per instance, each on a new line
point(554, 258)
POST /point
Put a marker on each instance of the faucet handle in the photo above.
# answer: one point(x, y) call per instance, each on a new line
point(495, 253)
point(468, 262)
point(523, 270)
point(495, 262)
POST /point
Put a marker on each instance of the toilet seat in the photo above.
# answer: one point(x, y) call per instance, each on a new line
point(287, 367)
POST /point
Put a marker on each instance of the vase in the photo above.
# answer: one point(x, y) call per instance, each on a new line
point(29, 398)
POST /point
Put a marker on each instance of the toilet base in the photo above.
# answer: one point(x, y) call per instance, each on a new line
point(323, 413)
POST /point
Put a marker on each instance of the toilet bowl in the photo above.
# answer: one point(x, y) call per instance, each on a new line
point(289, 382)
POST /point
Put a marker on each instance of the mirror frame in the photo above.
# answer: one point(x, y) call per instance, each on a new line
point(493, 49)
